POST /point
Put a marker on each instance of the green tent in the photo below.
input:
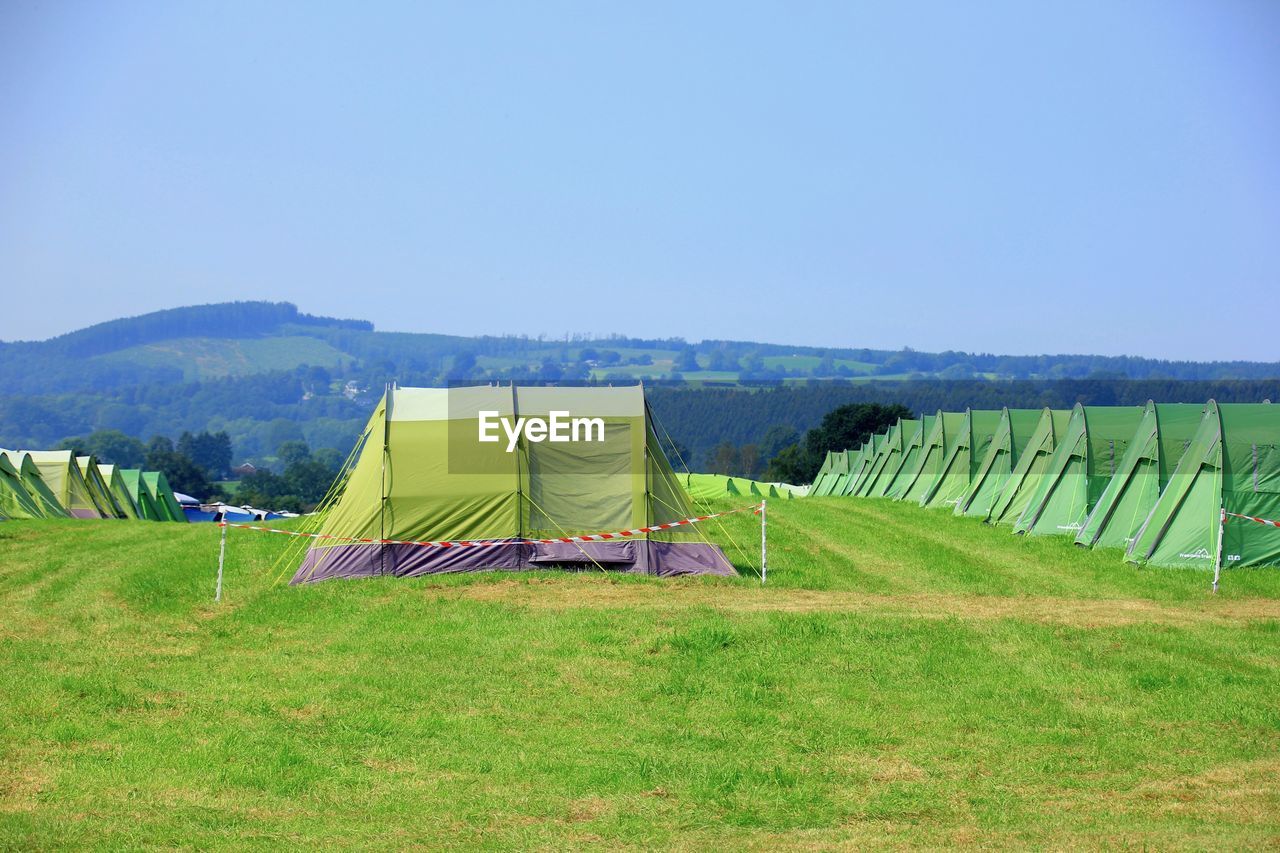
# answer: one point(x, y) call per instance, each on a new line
point(425, 473)
point(15, 500)
point(910, 463)
point(873, 458)
point(905, 431)
point(98, 487)
point(711, 486)
point(1154, 452)
point(859, 465)
point(965, 452)
point(995, 468)
point(1083, 462)
point(167, 506)
point(933, 455)
point(873, 471)
point(837, 472)
point(35, 485)
point(1029, 470)
point(141, 494)
point(111, 476)
point(841, 472)
point(61, 473)
point(1232, 463)
point(824, 475)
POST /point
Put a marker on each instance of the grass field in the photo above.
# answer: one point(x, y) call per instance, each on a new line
point(906, 678)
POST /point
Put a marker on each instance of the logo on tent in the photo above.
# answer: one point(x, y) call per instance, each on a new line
point(1201, 554)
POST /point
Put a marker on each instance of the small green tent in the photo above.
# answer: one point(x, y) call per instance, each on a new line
point(98, 487)
point(889, 472)
point(1154, 452)
point(873, 458)
point(965, 452)
point(859, 462)
point(35, 485)
point(141, 494)
point(933, 455)
point(820, 480)
point(119, 491)
point(1084, 460)
point(167, 506)
point(711, 486)
point(1232, 463)
point(995, 468)
point(911, 447)
point(61, 473)
point(890, 440)
point(1032, 463)
point(15, 500)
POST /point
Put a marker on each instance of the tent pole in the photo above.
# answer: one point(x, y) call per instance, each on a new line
point(1217, 563)
point(764, 541)
point(222, 556)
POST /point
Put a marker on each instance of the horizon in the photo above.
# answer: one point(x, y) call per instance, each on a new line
point(1035, 181)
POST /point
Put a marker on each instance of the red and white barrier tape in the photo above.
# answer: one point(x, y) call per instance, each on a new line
point(480, 543)
point(1252, 518)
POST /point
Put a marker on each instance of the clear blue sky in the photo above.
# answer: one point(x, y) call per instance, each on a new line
point(1001, 177)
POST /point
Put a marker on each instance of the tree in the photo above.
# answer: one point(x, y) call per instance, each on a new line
point(776, 438)
point(844, 428)
point(725, 459)
point(211, 451)
point(183, 474)
point(292, 452)
point(687, 360)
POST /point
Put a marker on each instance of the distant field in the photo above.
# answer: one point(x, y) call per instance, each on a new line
point(207, 358)
point(906, 678)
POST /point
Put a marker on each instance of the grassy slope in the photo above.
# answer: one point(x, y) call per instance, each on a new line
point(206, 358)
point(906, 677)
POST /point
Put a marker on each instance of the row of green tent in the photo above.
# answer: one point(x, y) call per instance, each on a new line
point(60, 484)
point(704, 487)
point(1155, 480)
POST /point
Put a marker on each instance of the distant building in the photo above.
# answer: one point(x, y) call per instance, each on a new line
point(244, 469)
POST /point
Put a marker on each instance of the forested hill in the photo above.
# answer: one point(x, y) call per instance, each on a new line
point(267, 373)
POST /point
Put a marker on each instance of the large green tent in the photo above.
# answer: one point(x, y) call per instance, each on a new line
point(99, 488)
point(1085, 459)
point(141, 494)
point(932, 456)
point(911, 447)
point(61, 473)
point(425, 473)
point(995, 468)
point(119, 491)
point(907, 430)
point(167, 506)
point(15, 500)
point(35, 485)
point(1154, 451)
point(1232, 464)
point(965, 452)
point(1029, 470)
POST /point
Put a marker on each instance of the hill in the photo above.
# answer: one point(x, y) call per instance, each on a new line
point(902, 680)
point(267, 373)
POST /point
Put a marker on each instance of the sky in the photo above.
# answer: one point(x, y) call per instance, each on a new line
point(1008, 177)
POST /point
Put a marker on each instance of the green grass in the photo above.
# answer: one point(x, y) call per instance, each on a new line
point(906, 678)
point(205, 358)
